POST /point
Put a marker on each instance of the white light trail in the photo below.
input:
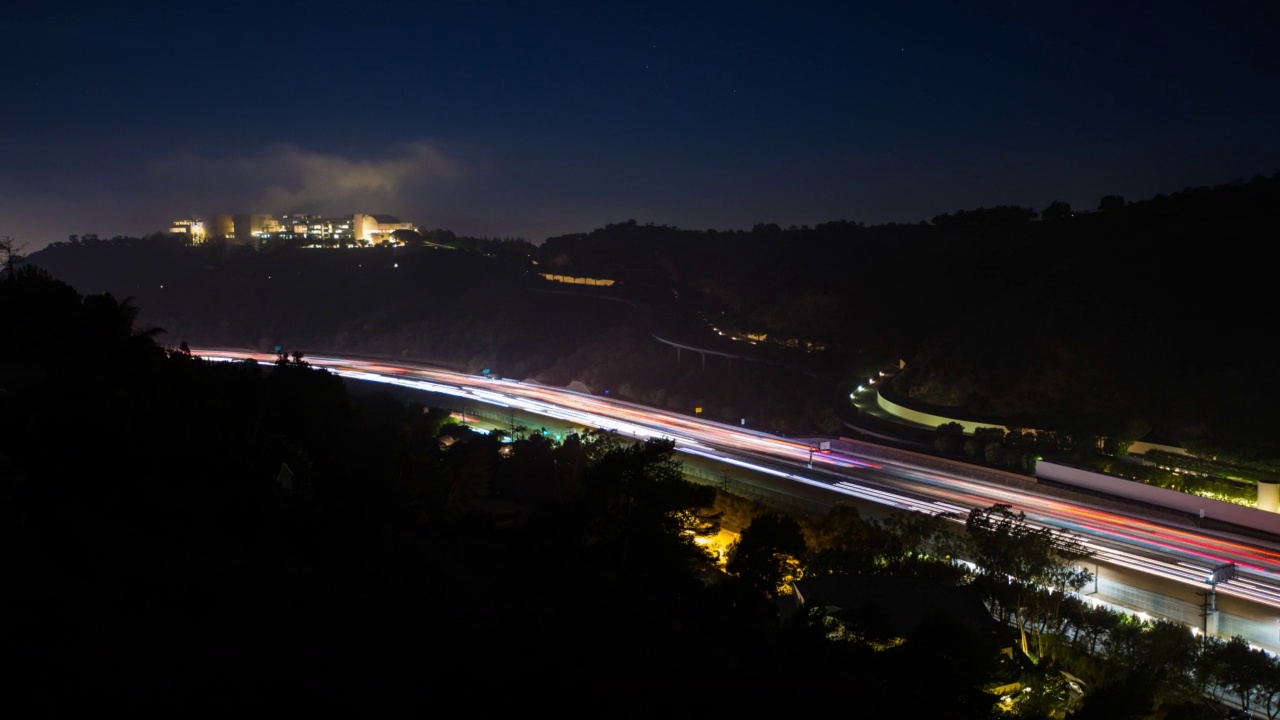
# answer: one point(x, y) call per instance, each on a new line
point(1181, 554)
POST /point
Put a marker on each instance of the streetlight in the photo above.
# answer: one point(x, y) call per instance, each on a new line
point(824, 446)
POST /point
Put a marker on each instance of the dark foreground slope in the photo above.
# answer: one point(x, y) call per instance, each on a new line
point(157, 561)
point(464, 310)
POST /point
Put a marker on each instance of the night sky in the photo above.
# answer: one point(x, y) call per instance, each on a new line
point(534, 119)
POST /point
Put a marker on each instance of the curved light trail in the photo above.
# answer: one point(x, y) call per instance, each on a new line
point(1185, 555)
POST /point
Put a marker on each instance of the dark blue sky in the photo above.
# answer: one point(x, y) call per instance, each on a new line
point(538, 118)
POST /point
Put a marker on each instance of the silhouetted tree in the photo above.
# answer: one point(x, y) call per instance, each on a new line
point(1241, 668)
point(1019, 562)
point(767, 555)
point(12, 250)
point(949, 438)
point(1057, 210)
point(640, 512)
point(1110, 203)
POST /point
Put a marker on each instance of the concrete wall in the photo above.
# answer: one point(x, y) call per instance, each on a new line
point(1269, 496)
point(1172, 499)
point(363, 227)
point(1139, 448)
point(929, 419)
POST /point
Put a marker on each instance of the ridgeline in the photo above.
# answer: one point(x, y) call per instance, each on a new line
point(1143, 312)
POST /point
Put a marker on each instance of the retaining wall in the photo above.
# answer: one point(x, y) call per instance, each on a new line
point(1172, 499)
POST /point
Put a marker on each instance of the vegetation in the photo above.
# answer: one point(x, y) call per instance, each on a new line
point(191, 535)
point(201, 536)
point(768, 554)
point(1018, 451)
point(1027, 572)
point(1241, 472)
point(239, 528)
point(1175, 476)
point(1005, 318)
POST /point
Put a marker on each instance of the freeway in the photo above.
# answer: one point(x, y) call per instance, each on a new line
point(1171, 552)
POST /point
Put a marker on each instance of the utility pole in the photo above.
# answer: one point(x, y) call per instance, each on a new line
point(1209, 608)
point(824, 446)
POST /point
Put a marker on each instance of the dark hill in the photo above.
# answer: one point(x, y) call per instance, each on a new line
point(1149, 309)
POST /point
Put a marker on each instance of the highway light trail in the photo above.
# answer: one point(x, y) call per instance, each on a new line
point(1183, 555)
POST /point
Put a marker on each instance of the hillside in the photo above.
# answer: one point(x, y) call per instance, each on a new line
point(1139, 310)
point(463, 310)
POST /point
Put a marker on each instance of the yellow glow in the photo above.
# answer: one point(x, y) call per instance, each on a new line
point(717, 546)
point(600, 282)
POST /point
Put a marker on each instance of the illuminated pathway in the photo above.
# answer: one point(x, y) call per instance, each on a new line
point(1180, 554)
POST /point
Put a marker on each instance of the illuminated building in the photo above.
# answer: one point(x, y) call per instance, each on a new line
point(220, 227)
point(191, 227)
point(378, 229)
point(357, 230)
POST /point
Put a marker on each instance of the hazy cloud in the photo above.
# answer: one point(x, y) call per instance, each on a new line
point(135, 196)
point(289, 179)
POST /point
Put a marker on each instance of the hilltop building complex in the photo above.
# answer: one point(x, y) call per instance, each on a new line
point(356, 230)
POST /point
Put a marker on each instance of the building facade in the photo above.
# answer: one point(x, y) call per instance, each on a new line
point(355, 230)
